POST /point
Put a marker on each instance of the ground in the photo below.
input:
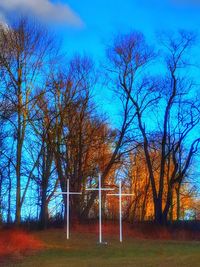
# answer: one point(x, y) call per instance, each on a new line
point(82, 250)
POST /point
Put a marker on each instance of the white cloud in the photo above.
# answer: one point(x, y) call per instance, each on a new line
point(43, 9)
point(2, 17)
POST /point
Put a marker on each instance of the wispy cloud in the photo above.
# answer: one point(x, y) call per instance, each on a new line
point(42, 9)
point(2, 17)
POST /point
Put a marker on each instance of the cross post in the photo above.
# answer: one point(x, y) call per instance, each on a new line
point(68, 193)
point(100, 189)
point(120, 194)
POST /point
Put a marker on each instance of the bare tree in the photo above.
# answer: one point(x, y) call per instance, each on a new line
point(130, 55)
point(24, 48)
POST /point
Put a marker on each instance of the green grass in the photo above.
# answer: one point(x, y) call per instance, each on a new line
point(82, 250)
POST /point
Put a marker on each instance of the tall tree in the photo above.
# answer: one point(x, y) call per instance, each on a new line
point(24, 47)
point(131, 57)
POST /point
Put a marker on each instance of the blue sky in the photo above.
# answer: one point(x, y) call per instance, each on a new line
point(103, 18)
point(87, 26)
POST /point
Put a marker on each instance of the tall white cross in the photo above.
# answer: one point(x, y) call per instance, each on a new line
point(120, 207)
point(100, 189)
point(68, 193)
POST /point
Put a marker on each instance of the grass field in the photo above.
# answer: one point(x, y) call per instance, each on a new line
point(82, 250)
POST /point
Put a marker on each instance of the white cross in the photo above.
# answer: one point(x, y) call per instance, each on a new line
point(68, 193)
point(120, 208)
point(99, 188)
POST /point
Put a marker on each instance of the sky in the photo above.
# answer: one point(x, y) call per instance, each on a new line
point(103, 18)
point(87, 26)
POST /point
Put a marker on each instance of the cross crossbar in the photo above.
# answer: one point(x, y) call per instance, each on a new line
point(100, 189)
point(97, 189)
point(68, 193)
point(120, 194)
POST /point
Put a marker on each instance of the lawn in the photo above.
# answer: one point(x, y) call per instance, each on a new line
point(82, 250)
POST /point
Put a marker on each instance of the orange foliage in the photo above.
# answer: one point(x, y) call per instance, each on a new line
point(17, 242)
point(140, 206)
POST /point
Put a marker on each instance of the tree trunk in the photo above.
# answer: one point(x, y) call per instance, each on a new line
point(178, 202)
point(18, 175)
point(9, 198)
point(44, 207)
point(158, 212)
point(171, 214)
point(47, 157)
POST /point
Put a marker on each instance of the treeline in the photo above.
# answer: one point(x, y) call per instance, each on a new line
point(52, 130)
